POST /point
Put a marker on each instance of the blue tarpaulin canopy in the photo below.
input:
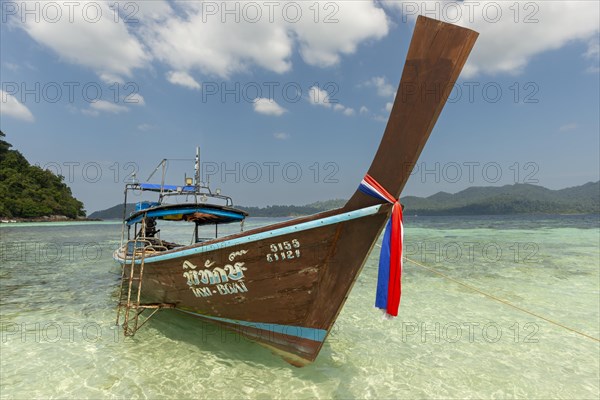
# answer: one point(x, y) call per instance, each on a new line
point(180, 213)
point(155, 187)
point(199, 213)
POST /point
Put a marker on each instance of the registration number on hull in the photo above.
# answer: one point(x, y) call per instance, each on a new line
point(284, 251)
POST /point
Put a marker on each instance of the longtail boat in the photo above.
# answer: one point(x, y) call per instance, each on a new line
point(283, 285)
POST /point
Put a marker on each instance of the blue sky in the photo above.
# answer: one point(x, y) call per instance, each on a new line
point(289, 109)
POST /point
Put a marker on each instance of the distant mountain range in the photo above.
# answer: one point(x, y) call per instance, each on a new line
point(508, 199)
point(115, 212)
point(489, 200)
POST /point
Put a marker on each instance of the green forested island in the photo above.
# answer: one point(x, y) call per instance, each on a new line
point(293, 211)
point(27, 191)
point(115, 212)
point(508, 199)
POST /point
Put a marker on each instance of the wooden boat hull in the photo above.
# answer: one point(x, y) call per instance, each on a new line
point(282, 287)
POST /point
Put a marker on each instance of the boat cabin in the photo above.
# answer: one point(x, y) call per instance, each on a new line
point(193, 203)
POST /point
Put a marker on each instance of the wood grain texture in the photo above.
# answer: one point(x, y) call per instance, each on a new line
point(437, 54)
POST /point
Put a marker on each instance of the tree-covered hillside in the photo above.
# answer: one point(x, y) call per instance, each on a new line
point(115, 212)
point(293, 211)
point(509, 199)
point(27, 191)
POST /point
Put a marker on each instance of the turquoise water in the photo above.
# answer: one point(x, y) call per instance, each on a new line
point(58, 294)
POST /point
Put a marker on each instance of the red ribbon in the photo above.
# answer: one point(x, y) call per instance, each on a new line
point(395, 282)
point(396, 237)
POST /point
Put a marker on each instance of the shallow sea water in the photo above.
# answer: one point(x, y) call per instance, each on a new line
point(58, 292)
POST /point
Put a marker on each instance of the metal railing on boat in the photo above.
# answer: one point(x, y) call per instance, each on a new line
point(130, 294)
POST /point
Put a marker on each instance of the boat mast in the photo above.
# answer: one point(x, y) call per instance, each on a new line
point(162, 179)
point(162, 164)
point(197, 169)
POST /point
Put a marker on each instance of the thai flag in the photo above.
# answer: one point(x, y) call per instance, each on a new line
point(389, 280)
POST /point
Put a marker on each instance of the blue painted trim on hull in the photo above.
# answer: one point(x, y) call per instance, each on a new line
point(334, 219)
point(318, 335)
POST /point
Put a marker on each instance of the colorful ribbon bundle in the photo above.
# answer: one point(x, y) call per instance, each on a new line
point(389, 279)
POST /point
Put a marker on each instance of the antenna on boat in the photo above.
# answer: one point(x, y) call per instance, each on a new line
point(160, 164)
point(163, 164)
point(197, 167)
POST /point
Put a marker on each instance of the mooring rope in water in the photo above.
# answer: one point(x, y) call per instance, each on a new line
point(502, 301)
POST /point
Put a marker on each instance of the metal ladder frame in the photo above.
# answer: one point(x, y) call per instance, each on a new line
point(127, 303)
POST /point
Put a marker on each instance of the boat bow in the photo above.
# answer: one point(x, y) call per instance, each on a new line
point(437, 54)
point(284, 285)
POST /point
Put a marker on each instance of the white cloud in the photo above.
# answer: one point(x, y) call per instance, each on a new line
point(90, 38)
point(593, 51)
point(349, 111)
point(146, 127)
point(90, 112)
point(11, 107)
point(147, 9)
point(183, 79)
point(343, 26)
point(110, 78)
point(135, 99)
point(384, 89)
point(319, 97)
point(568, 127)
point(197, 41)
point(268, 107)
point(508, 41)
point(104, 106)
point(593, 54)
point(191, 36)
point(197, 38)
point(385, 113)
point(363, 110)
point(188, 38)
point(72, 109)
point(281, 136)
point(11, 66)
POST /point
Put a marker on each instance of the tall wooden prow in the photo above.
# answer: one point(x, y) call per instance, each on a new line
point(436, 56)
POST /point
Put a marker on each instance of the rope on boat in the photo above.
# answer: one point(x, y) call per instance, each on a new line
point(502, 301)
point(505, 302)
